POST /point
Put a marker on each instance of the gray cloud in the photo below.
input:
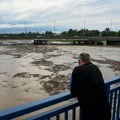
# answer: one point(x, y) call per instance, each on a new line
point(70, 13)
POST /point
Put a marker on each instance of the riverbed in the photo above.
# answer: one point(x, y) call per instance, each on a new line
point(31, 72)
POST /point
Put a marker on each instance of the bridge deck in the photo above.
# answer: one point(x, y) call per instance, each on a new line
point(62, 38)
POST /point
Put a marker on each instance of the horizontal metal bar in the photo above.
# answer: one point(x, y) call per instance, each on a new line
point(55, 111)
point(114, 89)
point(33, 106)
point(113, 81)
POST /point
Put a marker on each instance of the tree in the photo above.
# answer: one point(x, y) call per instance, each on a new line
point(48, 33)
point(64, 33)
point(72, 32)
point(106, 32)
point(118, 33)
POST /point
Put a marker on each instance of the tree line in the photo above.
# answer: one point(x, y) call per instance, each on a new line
point(95, 33)
point(70, 32)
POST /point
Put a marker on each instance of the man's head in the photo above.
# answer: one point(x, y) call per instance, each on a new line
point(83, 58)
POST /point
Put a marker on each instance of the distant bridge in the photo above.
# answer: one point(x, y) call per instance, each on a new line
point(73, 39)
point(79, 40)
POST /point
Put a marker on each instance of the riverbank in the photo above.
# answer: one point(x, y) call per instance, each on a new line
point(30, 72)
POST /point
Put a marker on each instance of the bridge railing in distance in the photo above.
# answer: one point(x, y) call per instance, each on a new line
point(65, 107)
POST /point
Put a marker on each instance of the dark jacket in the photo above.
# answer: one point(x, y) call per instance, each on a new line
point(88, 86)
point(87, 83)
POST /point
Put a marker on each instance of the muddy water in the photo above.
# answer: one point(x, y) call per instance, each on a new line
point(29, 72)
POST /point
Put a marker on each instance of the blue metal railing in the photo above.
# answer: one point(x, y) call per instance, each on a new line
point(68, 108)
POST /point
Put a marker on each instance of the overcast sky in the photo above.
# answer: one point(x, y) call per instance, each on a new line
point(75, 14)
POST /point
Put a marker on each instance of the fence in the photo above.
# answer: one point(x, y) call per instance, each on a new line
point(65, 107)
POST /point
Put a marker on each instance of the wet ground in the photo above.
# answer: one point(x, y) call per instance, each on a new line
point(31, 72)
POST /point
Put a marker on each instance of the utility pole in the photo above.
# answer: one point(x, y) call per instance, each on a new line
point(25, 29)
point(54, 27)
point(110, 28)
point(84, 28)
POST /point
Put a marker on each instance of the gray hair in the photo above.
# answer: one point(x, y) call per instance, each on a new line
point(85, 57)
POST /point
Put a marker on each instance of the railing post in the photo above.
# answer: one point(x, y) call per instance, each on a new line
point(108, 91)
point(118, 107)
point(74, 114)
point(58, 117)
point(80, 114)
point(66, 115)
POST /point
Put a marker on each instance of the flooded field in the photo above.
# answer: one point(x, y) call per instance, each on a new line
point(31, 72)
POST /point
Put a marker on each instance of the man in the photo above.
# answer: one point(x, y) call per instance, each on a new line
point(88, 86)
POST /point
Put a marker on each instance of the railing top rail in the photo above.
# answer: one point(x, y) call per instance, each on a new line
point(52, 112)
point(35, 105)
point(113, 81)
